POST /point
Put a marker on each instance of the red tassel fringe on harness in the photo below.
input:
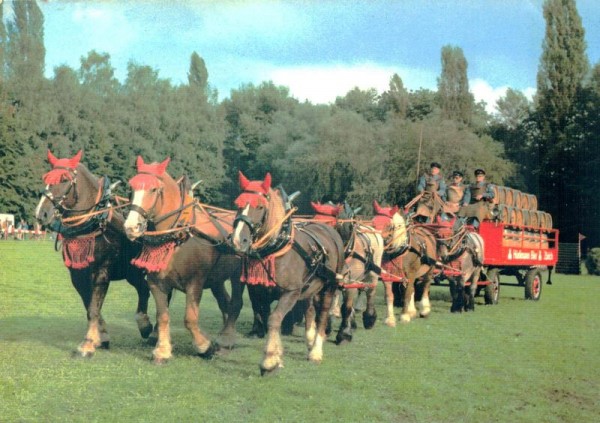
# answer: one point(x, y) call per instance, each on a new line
point(155, 258)
point(259, 271)
point(78, 253)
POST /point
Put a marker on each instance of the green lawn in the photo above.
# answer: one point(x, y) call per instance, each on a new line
point(518, 361)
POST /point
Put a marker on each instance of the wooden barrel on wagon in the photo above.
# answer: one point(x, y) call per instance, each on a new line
point(517, 199)
point(546, 223)
point(534, 218)
point(530, 202)
point(526, 217)
point(498, 194)
point(506, 213)
point(518, 216)
point(525, 201)
point(508, 196)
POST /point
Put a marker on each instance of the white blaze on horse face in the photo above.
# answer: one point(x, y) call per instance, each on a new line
point(134, 219)
point(237, 233)
point(40, 206)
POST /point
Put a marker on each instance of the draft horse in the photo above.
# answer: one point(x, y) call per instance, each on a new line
point(184, 248)
point(363, 251)
point(303, 260)
point(408, 261)
point(460, 252)
point(78, 206)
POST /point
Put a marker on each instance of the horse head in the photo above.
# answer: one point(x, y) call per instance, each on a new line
point(390, 223)
point(259, 210)
point(65, 192)
point(154, 192)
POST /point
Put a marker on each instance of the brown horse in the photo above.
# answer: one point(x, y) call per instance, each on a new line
point(77, 205)
point(363, 252)
point(303, 260)
point(186, 250)
point(461, 253)
point(409, 258)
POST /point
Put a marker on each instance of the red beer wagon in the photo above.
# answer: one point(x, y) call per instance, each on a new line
point(516, 250)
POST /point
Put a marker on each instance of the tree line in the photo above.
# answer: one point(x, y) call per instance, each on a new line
point(364, 146)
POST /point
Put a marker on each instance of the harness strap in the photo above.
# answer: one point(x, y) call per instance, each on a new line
point(316, 262)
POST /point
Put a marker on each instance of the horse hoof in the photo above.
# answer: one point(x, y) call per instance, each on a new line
point(82, 354)
point(342, 338)
point(146, 331)
point(269, 372)
point(390, 323)
point(210, 351)
point(369, 320)
point(105, 345)
point(254, 334)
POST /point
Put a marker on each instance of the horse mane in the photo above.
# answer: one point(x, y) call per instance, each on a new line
point(400, 235)
point(276, 209)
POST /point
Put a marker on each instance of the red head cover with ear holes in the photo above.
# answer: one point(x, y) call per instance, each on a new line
point(61, 168)
point(254, 192)
point(148, 174)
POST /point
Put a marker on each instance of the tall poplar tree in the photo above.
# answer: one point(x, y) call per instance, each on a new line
point(453, 86)
point(198, 76)
point(25, 47)
point(563, 66)
point(2, 47)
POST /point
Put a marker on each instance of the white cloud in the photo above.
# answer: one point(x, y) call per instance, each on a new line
point(482, 90)
point(323, 83)
point(104, 27)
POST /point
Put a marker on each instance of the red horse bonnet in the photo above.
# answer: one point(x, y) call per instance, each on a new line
point(148, 174)
point(61, 168)
point(254, 192)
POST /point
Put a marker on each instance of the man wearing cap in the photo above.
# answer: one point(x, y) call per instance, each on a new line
point(433, 181)
point(431, 194)
point(480, 190)
point(457, 193)
point(481, 195)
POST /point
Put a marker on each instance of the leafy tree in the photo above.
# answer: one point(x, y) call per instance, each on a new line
point(453, 86)
point(421, 104)
point(97, 74)
point(395, 100)
point(26, 51)
point(361, 102)
point(513, 109)
point(3, 46)
point(563, 66)
point(198, 77)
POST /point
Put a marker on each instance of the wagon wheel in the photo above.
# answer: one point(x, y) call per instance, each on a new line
point(492, 290)
point(533, 284)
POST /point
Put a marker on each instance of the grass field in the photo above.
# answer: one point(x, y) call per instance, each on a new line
point(518, 361)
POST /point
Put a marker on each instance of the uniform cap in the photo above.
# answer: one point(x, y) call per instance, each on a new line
point(436, 164)
point(479, 172)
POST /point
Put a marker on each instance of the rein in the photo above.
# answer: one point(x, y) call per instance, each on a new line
point(91, 222)
point(263, 241)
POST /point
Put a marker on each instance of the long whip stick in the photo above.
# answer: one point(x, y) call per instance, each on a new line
point(419, 155)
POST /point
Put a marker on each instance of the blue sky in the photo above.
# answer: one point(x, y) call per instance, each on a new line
point(319, 49)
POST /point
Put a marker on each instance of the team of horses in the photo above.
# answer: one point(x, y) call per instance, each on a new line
point(163, 239)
